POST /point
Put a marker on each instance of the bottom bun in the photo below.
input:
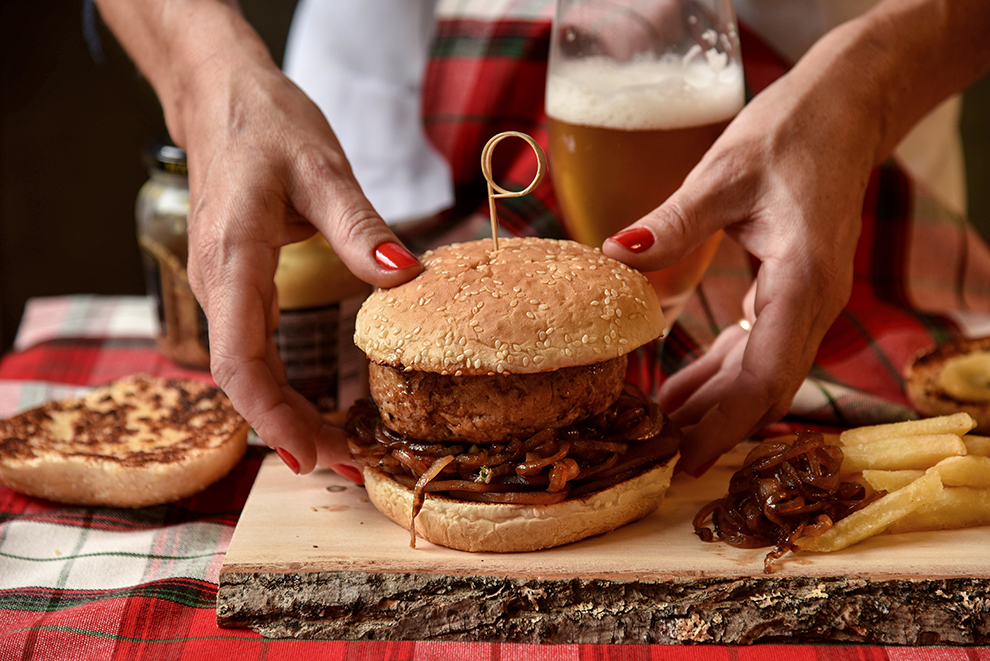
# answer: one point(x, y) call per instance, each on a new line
point(504, 528)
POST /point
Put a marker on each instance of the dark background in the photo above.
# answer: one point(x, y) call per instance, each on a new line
point(72, 129)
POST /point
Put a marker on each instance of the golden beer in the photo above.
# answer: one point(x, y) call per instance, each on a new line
point(617, 155)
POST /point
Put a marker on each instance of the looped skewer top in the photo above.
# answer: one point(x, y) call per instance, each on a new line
point(486, 169)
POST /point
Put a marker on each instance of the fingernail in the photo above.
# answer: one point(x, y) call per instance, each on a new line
point(394, 256)
point(289, 460)
point(705, 467)
point(351, 473)
point(635, 239)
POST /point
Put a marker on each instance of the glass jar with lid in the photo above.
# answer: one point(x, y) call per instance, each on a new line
point(161, 211)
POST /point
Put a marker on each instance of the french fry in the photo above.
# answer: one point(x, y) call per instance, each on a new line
point(875, 517)
point(881, 480)
point(955, 507)
point(901, 453)
point(968, 471)
point(977, 445)
point(957, 423)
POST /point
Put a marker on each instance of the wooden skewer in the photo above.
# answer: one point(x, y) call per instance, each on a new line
point(486, 169)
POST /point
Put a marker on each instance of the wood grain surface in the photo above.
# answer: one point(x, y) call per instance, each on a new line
point(311, 558)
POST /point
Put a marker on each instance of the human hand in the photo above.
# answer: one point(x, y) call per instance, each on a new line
point(786, 180)
point(266, 170)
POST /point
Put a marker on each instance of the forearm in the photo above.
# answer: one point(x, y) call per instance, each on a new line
point(184, 48)
point(894, 64)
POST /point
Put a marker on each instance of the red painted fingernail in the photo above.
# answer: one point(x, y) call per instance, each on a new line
point(289, 460)
point(705, 467)
point(635, 239)
point(394, 256)
point(351, 473)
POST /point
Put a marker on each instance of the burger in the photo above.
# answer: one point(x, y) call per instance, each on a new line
point(499, 417)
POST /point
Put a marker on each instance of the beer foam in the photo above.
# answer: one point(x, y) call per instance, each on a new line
point(646, 94)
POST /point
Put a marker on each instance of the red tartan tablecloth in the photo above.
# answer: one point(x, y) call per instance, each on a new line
point(99, 583)
point(95, 583)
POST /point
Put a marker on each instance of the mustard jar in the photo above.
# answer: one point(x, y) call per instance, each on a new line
point(318, 300)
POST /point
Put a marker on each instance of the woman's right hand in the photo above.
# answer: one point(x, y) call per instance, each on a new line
point(265, 170)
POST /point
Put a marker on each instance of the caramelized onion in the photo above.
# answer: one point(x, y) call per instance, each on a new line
point(418, 494)
point(548, 467)
point(783, 491)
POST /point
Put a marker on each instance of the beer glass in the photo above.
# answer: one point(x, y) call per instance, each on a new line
point(637, 91)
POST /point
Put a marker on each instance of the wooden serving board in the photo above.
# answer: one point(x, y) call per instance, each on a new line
point(311, 558)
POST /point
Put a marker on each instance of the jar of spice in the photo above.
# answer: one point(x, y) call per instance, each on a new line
point(161, 212)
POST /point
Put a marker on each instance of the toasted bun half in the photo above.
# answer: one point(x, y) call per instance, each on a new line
point(503, 528)
point(476, 311)
point(951, 378)
point(137, 442)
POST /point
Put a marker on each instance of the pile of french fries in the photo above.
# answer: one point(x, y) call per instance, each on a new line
point(937, 477)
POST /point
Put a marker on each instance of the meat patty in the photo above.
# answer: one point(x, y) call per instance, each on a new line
point(477, 409)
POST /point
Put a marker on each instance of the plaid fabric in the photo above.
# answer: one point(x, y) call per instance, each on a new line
point(97, 583)
point(922, 274)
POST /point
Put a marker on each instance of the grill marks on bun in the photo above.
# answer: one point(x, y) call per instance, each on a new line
point(476, 311)
point(139, 441)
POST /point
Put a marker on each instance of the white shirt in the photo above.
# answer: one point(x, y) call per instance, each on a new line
point(363, 62)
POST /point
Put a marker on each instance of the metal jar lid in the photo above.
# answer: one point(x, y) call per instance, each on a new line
point(166, 158)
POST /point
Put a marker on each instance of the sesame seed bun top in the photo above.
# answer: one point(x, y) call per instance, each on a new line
point(535, 305)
